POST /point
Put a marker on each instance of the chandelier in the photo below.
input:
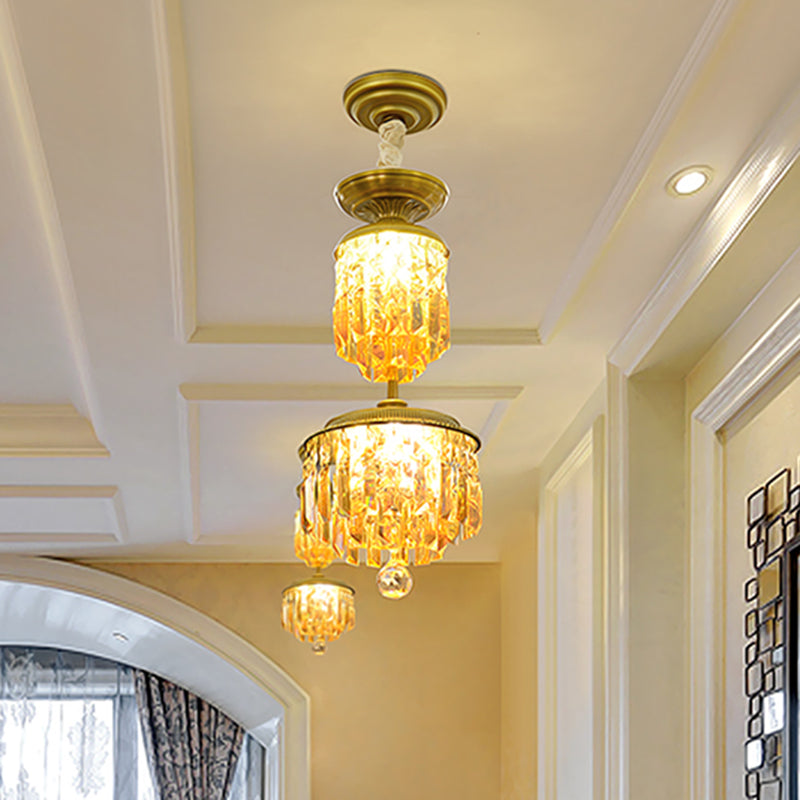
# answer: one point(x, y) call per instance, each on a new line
point(318, 610)
point(392, 485)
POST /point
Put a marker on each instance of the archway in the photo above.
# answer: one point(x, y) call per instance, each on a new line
point(53, 603)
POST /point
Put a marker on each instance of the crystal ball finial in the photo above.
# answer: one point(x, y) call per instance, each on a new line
point(394, 580)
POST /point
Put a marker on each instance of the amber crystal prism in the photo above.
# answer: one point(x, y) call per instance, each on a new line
point(391, 315)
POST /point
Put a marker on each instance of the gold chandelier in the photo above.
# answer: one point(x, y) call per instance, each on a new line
point(391, 485)
point(318, 610)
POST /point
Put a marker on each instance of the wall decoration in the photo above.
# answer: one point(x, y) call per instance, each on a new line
point(770, 625)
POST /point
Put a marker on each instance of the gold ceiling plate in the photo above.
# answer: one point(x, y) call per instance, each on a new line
point(374, 98)
point(391, 193)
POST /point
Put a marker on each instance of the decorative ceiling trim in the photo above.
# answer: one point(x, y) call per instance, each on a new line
point(47, 431)
point(176, 143)
point(71, 506)
point(192, 395)
point(334, 392)
point(753, 372)
point(32, 150)
point(762, 170)
point(322, 335)
point(621, 195)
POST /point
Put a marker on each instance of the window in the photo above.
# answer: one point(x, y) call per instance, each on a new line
point(69, 729)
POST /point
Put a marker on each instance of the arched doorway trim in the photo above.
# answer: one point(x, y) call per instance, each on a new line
point(47, 602)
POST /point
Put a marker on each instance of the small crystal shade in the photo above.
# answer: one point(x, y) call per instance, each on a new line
point(387, 491)
point(391, 316)
point(318, 611)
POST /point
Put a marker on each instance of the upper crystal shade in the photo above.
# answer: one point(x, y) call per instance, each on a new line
point(391, 316)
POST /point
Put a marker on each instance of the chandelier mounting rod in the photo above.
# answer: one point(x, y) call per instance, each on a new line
point(390, 147)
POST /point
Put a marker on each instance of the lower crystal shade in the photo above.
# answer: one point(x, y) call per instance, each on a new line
point(389, 491)
point(318, 612)
point(391, 316)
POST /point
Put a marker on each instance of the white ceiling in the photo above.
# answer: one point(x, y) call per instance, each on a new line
point(166, 224)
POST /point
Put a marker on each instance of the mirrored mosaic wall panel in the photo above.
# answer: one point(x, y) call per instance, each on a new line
point(772, 522)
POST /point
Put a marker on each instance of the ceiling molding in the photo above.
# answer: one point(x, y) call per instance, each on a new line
point(47, 516)
point(760, 173)
point(176, 143)
point(47, 431)
point(305, 392)
point(621, 195)
point(13, 73)
point(323, 335)
point(758, 366)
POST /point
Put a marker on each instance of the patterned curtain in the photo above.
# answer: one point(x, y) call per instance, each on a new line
point(191, 745)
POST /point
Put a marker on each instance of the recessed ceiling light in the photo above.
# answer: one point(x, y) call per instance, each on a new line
point(689, 180)
point(120, 636)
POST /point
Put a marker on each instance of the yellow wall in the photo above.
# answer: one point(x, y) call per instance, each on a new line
point(518, 765)
point(405, 706)
point(656, 511)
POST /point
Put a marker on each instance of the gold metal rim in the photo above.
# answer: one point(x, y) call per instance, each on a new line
point(389, 225)
point(383, 415)
point(391, 192)
point(316, 580)
point(376, 97)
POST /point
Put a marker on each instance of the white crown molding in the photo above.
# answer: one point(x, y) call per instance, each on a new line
point(616, 572)
point(206, 657)
point(47, 431)
point(760, 173)
point(304, 392)
point(638, 163)
point(64, 507)
point(13, 74)
point(323, 335)
point(176, 144)
point(567, 468)
point(765, 359)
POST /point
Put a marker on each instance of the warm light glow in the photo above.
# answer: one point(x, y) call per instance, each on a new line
point(318, 611)
point(389, 491)
point(689, 180)
point(391, 316)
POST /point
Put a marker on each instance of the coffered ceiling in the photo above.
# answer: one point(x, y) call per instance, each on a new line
point(166, 228)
